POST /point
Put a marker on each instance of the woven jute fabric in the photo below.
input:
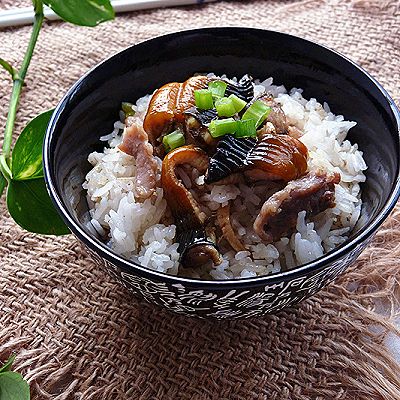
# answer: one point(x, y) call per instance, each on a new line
point(79, 335)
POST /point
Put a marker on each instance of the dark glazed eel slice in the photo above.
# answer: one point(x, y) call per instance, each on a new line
point(203, 116)
point(224, 222)
point(167, 107)
point(271, 157)
point(197, 246)
point(229, 157)
point(244, 89)
point(277, 157)
point(190, 220)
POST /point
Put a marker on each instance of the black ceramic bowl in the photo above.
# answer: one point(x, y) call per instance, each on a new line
point(91, 106)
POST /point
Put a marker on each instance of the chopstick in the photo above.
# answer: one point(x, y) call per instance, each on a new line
point(25, 16)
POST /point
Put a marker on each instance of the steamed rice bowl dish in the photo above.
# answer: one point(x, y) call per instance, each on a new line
point(218, 178)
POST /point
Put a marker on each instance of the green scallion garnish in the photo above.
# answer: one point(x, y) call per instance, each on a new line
point(127, 108)
point(173, 140)
point(258, 112)
point(203, 99)
point(245, 128)
point(220, 127)
point(238, 103)
point(225, 107)
point(217, 88)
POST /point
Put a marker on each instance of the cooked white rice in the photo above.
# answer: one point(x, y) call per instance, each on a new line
point(135, 230)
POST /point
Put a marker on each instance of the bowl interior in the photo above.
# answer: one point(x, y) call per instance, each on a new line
point(90, 108)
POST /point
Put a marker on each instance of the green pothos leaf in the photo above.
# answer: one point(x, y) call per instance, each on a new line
point(27, 153)
point(27, 199)
point(13, 387)
point(82, 12)
point(8, 364)
point(31, 207)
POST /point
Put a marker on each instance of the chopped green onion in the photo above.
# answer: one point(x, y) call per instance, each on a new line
point(225, 107)
point(173, 140)
point(203, 99)
point(245, 128)
point(127, 108)
point(258, 112)
point(220, 127)
point(238, 103)
point(217, 88)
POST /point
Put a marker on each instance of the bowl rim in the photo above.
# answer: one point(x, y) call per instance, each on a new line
point(105, 252)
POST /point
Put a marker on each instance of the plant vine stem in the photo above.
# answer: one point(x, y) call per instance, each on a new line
point(4, 168)
point(19, 81)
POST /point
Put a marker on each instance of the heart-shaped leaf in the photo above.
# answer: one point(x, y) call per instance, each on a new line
point(82, 12)
point(8, 364)
point(27, 153)
point(31, 207)
point(13, 387)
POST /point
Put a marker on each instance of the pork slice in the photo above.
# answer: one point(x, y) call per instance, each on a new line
point(294, 132)
point(276, 117)
point(313, 193)
point(135, 143)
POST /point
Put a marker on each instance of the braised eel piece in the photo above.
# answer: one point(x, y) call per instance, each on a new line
point(230, 157)
point(224, 221)
point(244, 88)
point(197, 246)
point(271, 157)
point(190, 220)
point(277, 157)
point(168, 106)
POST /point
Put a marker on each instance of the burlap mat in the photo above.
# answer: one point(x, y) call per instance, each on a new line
point(79, 335)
